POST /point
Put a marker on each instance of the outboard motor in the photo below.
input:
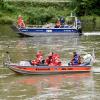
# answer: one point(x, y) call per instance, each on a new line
point(88, 59)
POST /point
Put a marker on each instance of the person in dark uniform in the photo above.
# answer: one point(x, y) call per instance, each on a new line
point(76, 59)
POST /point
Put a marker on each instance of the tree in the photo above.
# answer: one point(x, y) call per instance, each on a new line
point(2, 3)
point(85, 7)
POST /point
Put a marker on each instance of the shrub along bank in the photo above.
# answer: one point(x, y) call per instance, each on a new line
point(43, 12)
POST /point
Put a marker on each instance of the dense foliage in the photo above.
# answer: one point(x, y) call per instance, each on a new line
point(41, 12)
point(86, 7)
point(38, 12)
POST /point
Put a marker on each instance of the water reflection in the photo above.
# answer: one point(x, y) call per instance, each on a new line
point(49, 87)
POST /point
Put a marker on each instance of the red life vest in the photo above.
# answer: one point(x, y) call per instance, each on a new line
point(39, 58)
point(20, 22)
point(53, 60)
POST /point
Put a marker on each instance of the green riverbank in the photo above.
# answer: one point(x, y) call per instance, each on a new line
point(44, 12)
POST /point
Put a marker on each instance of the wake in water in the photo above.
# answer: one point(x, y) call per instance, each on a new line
point(96, 69)
point(91, 33)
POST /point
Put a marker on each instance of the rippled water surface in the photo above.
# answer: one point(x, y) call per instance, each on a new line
point(83, 86)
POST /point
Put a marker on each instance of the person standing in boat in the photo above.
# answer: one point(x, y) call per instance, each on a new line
point(20, 22)
point(62, 21)
point(76, 59)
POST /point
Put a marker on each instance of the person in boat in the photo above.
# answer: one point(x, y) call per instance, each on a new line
point(49, 59)
point(39, 59)
point(58, 24)
point(62, 20)
point(87, 60)
point(20, 22)
point(57, 61)
point(53, 60)
point(76, 59)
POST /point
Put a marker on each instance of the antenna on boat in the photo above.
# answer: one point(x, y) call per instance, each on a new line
point(93, 55)
point(74, 15)
point(71, 14)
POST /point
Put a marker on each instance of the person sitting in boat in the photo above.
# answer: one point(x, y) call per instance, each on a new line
point(20, 22)
point(39, 59)
point(76, 59)
point(49, 59)
point(58, 24)
point(57, 61)
point(87, 60)
point(53, 60)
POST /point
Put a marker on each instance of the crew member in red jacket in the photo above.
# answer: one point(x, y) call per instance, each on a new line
point(53, 60)
point(39, 58)
point(20, 22)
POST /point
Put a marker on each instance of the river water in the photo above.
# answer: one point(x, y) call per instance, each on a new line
point(84, 86)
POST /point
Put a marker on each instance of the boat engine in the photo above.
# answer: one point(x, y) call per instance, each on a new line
point(88, 59)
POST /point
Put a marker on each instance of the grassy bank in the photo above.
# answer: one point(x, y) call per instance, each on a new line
point(90, 23)
point(42, 12)
point(38, 12)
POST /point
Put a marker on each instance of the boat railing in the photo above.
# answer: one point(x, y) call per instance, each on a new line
point(44, 26)
point(51, 25)
point(35, 26)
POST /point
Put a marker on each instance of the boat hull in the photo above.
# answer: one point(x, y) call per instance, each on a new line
point(46, 31)
point(49, 69)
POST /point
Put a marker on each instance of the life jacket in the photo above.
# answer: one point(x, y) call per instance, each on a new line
point(57, 62)
point(22, 25)
point(39, 58)
point(53, 60)
point(56, 55)
point(34, 62)
point(49, 60)
point(20, 22)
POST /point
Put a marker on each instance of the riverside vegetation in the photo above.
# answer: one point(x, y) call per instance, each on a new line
point(43, 12)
